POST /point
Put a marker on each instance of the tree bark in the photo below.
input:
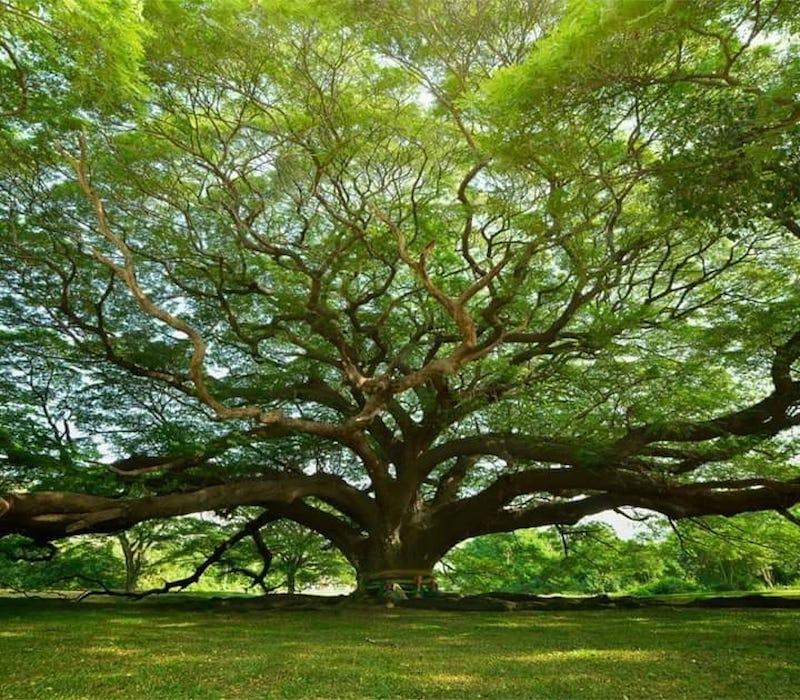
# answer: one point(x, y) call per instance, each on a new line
point(132, 566)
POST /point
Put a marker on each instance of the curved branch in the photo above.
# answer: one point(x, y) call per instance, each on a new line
point(504, 445)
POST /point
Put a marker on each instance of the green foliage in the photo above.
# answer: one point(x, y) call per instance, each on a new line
point(751, 551)
point(747, 553)
point(300, 558)
point(148, 554)
point(303, 559)
point(84, 563)
point(542, 107)
point(520, 561)
point(586, 559)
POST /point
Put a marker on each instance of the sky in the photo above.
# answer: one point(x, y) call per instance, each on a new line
point(626, 529)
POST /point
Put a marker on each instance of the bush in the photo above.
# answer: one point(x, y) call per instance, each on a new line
point(667, 585)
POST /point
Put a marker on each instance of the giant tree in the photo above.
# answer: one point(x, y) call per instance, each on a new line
point(402, 272)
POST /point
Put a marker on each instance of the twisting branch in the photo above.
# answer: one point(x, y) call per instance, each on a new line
point(127, 273)
point(248, 530)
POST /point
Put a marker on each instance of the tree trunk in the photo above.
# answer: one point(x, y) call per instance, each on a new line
point(132, 566)
point(401, 558)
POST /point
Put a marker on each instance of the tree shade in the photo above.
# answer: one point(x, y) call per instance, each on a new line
point(402, 272)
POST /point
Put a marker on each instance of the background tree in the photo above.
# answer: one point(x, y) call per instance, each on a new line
point(415, 273)
point(589, 558)
point(522, 561)
point(302, 558)
point(85, 562)
point(280, 555)
point(148, 547)
point(754, 551)
point(713, 554)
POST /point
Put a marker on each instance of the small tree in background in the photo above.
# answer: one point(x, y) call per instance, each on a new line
point(303, 559)
point(754, 551)
point(746, 553)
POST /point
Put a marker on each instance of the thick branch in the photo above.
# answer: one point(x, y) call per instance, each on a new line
point(49, 515)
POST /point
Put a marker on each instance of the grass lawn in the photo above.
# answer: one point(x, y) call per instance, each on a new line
point(53, 649)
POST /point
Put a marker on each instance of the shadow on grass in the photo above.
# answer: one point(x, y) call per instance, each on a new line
point(56, 649)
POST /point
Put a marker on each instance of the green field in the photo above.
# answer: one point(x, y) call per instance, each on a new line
point(96, 650)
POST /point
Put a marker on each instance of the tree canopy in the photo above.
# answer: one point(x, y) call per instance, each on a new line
point(401, 272)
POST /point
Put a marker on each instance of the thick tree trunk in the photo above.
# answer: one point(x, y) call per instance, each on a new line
point(379, 558)
point(404, 556)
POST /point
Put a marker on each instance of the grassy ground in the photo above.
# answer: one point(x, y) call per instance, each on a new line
point(61, 650)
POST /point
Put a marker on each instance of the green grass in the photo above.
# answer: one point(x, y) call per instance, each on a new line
point(52, 649)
